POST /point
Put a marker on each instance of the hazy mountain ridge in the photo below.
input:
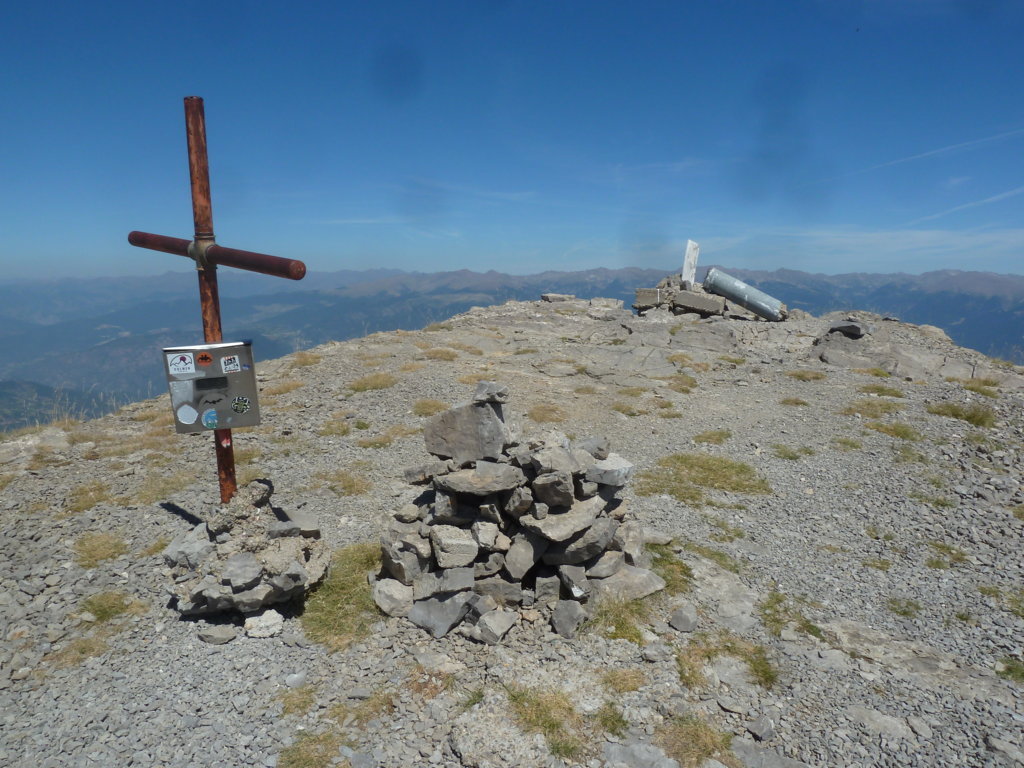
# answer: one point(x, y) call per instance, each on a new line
point(103, 335)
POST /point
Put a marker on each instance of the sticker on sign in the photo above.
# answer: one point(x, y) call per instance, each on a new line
point(181, 363)
point(230, 364)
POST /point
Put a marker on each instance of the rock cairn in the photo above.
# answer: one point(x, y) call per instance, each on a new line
point(508, 528)
point(247, 556)
point(680, 297)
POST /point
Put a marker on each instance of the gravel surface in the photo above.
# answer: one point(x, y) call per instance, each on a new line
point(903, 556)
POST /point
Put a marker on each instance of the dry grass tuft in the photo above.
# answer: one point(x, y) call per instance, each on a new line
point(777, 612)
point(335, 427)
point(551, 714)
point(87, 496)
point(691, 742)
point(440, 353)
point(977, 414)
point(871, 408)
point(682, 383)
point(78, 650)
point(106, 606)
point(791, 454)
point(714, 436)
point(704, 649)
point(91, 549)
point(793, 401)
point(312, 750)
point(620, 619)
point(411, 367)
point(373, 381)
point(881, 390)
point(341, 610)
point(297, 701)
point(546, 413)
point(304, 359)
point(896, 429)
point(428, 407)
point(847, 444)
point(283, 387)
point(624, 680)
point(684, 475)
point(345, 483)
point(879, 373)
point(676, 574)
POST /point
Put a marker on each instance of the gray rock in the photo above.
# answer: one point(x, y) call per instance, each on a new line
point(563, 525)
point(217, 634)
point(527, 548)
point(405, 556)
point(553, 458)
point(684, 618)
point(439, 615)
point(1004, 749)
point(761, 728)
point(485, 478)
point(629, 539)
point(424, 473)
point(447, 511)
point(605, 565)
point(267, 624)
point(583, 545)
point(189, 549)
point(585, 489)
point(598, 447)
point(547, 590)
point(502, 591)
point(444, 581)
point(656, 652)
point(628, 583)
point(295, 680)
point(453, 547)
point(538, 511)
point(613, 470)
point(554, 488)
point(574, 579)
point(490, 392)
point(636, 754)
point(485, 534)
point(494, 625)
point(852, 329)
point(519, 502)
point(876, 722)
point(466, 433)
point(753, 755)
point(495, 562)
point(567, 617)
point(703, 304)
point(392, 596)
point(253, 599)
point(283, 528)
point(308, 524)
point(241, 571)
point(408, 513)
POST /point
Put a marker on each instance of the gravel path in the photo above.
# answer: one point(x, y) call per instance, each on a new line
point(904, 556)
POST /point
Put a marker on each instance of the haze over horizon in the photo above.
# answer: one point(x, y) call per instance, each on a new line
point(829, 137)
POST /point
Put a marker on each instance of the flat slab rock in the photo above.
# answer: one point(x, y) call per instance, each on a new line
point(561, 525)
point(486, 478)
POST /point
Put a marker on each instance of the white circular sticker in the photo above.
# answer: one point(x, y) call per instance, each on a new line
point(187, 414)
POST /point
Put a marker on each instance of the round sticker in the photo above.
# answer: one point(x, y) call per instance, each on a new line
point(240, 404)
point(204, 359)
point(210, 419)
point(187, 414)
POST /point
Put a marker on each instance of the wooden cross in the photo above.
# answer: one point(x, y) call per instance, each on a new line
point(207, 255)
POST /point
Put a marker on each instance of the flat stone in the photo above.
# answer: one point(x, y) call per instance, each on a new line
point(189, 549)
point(439, 615)
point(494, 625)
point(567, 617)
point(445, 581)
point(547, 590)
point(407, 513)
point(519, 501)
point(241, 571)
point(878, 723)
point(628, 583)
point(255, 598)
point(466, 433)
point(574, 579)
point(527, 548)
point(424, 473)
point(753, 755)
point(636, 754)
point(613, 470)
point(217, 634)
point(554, 488)
point(446, 510)
point(562, 525)
point(485, 534)
point(502, 591)
point(453, 547)
point(761, 728)
point(583, 545)
point(684, 618)
point(267, 624)
point(656, 652)
point(495, 562)
point(553, 458)
point(405, 556)
point(598, 447)
point(852, 329)
point(490, 392)
point(393, 597)
point(606, 564)
point(486, 478)
point(629, 539)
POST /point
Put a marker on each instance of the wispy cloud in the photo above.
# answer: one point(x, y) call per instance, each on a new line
point(955, 181)
point(966, 206)
point(941, 151)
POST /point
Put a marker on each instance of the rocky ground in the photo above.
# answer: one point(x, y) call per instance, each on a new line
point(881, 577)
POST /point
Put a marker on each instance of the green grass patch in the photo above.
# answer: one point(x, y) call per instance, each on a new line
point(847, 444)
point(871, 408)
point(550, 713)
point(627, 409)
point(904, 454)
point(624, 680)
point(882, 390)
point(979, 388)
point(682, 383)
point(373, 381)
point(297, 701)
point(791, 454)
point(806, 375)
point(311, 750)
point(341, 610)
point(713, 436)
point(878, 563)
point(704, 648)
point(793, 401)
point(620, 619)
point(777, 612)
point(684, 476)
point(691, 742)
point(1012, 669)
point(879, 373)
point(677, 575)
point(91, 549)
point(714, 555)
point(107, 606)
point(87, 496)
point(724, 532)
point(428, 407)
point(976, 414)
point(903, 606)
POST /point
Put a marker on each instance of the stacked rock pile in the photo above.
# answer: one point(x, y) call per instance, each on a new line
point(680, 297)
point(509, 527)
point(247, 556)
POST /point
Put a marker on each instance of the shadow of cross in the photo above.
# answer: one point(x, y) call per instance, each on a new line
point(208, 255)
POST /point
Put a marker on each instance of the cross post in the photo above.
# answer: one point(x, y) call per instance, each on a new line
point(204, 250)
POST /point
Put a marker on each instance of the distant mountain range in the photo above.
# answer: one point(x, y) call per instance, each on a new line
point(102, 336)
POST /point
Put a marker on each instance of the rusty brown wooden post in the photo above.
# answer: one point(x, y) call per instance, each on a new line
point(207, 254)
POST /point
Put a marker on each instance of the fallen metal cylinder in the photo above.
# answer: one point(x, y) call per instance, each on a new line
point(747, 296)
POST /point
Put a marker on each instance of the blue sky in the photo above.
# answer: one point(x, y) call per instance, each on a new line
point(825, 135)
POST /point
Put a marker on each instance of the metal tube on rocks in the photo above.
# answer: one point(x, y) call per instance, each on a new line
point(747, 296)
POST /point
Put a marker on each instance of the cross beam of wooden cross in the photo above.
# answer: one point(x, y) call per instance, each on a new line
point(207, 255)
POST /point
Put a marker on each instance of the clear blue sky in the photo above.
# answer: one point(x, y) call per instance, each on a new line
point(824, 135)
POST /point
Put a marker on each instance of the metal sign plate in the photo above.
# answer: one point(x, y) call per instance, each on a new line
point(213, 386)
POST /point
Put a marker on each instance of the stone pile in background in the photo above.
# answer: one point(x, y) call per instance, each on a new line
point(247, 556)
point(680, 297)
point(510, 531)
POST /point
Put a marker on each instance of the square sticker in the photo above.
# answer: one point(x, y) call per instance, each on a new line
point(230, 364)
point(181, 363)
